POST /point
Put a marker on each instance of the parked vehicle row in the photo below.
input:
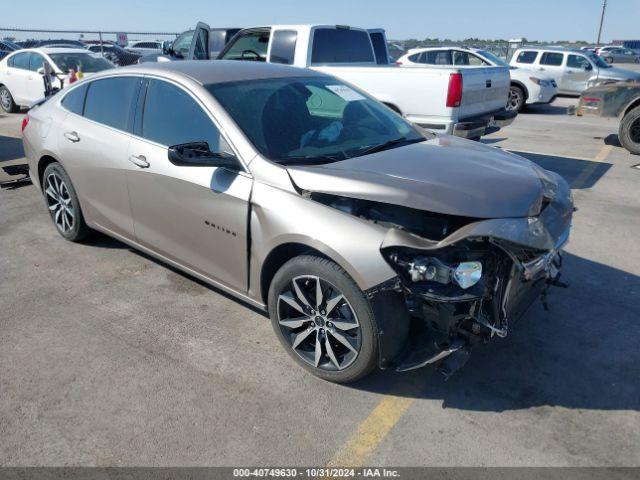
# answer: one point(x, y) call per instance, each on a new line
point(527, 87)
point(617, 54)
point(113, 52)
point(370, 241)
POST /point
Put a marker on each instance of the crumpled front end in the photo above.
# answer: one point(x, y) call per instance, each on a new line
point(472, 284)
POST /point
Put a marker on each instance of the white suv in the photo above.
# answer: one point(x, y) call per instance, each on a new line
point(573, 70)
point(527, 87)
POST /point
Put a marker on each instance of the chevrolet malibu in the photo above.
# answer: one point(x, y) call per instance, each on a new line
point(370, 242)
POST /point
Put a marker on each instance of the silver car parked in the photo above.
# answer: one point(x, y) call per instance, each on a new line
point(369, 241)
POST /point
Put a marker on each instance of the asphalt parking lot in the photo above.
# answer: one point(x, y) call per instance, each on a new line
point(108, 357)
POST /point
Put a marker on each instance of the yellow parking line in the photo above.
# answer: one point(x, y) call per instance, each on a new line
point(602, 155)
point(371, 432)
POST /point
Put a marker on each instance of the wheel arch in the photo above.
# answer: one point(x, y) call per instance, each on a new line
point(634, 103)
point(282, 253)
point(44, 161)
point(521, 86)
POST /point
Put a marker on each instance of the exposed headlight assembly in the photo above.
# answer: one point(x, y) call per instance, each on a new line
point(465, 274)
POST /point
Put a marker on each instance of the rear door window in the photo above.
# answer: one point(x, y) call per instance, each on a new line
point(437, 57)
point(21, 60)
point(110, 101)
point(553, 59)
point(172, 117)
point(283, 46)
point(341, 45)
point(527, 56)
point(466, 59)
point(380, 48)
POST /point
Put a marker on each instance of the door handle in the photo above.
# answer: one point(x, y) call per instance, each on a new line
point(72, 137)
point(541, 69)
point(139, 160)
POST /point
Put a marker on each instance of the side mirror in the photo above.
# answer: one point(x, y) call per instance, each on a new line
point(197, 154)
point(40, 71)
point(588, 67)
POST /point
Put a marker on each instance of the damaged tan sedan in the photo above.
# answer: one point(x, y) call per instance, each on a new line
point(370, 242)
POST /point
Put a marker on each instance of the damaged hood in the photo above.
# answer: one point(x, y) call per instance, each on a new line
point(444, 175)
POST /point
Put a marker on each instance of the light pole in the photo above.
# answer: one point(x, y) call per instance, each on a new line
point(604, 7)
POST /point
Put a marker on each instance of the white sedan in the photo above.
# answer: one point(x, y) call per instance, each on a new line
point(21, 73)
point(527, 87)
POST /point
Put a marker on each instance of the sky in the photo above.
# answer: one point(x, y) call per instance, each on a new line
point(545, 20)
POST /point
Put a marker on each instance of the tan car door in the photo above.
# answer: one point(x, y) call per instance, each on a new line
point(193, 215)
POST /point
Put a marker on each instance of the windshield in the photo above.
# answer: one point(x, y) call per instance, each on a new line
point(311, 120)
point(86, 62)
point(493, 58)
point(598, 61)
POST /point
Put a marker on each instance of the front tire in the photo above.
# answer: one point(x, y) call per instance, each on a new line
point(323, 319)
point(62, 200)
point(516, 99)
point(629, 132)
point(6, 101)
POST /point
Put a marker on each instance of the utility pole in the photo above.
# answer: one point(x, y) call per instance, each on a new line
point(604, 7)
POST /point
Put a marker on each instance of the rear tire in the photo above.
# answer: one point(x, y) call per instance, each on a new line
point(6, 101)
point(313, 326)
point(608, 59)
point(629, 131)
point(62, 200)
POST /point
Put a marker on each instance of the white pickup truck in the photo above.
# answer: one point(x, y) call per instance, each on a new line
point(461, 101)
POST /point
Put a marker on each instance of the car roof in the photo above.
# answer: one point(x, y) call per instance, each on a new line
point(50, 50)
point(553, 49)
point(208, 72)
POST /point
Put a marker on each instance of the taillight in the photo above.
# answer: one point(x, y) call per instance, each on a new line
point(25, 122)
point(398, 62)
point(454, 93)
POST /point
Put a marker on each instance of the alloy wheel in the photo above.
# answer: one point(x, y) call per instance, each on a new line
point(515, 98)
point(59, 202)
point(318, 323)
point(5, 99)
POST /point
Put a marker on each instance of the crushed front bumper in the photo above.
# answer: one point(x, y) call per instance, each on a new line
point(422, 325)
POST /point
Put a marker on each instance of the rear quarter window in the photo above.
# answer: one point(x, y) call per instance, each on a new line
point(380, 48)
point(341, 46)
point(526, 56)
point(74, 100)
